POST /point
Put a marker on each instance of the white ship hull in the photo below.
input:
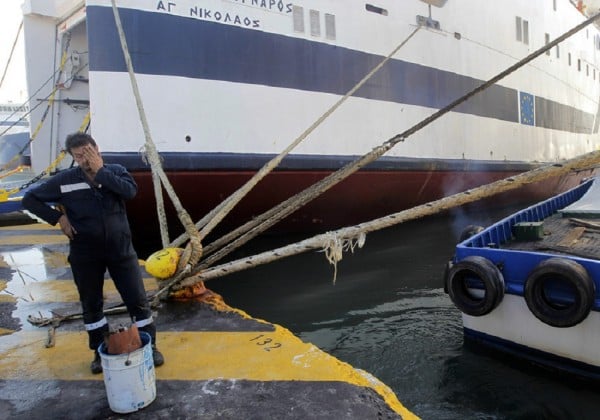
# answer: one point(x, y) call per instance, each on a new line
point(226, 85)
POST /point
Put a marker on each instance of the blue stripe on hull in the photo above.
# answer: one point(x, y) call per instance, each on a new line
point(548, 360)
point(163, 44)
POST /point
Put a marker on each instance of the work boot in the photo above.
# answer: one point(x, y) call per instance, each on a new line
point(96, 365)
point(157, 356)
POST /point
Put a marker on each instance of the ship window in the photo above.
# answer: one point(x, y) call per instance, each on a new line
point(594, 74)
point(579, 64)
point(557, 52)
point(554, 5)
point(315, 25)
point(569, 59)
point(522, 27)
point(587, 70)
point(329, 26)
point(375, 9)
point(547, 38)
point(298, 13)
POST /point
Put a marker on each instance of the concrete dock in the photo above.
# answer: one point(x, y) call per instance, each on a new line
point(220, 362)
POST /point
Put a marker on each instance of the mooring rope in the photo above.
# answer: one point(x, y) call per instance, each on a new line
point(160, 209)
point(12, 50)
point(214, 217)
point(357, 233)
point(5, 194)
point(152, 154)
point(51, 99)
point(31, 108)
point(262, 222)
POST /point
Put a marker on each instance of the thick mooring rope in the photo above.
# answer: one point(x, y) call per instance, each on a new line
point(580, 163)
point(12, 50)
point(214, 217)
point(152, 153)
point(262, 222)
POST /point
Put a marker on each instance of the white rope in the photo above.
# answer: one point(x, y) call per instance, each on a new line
point(12, 50)
point(334, 247)
point(583, 162)
point(151, 152)
point(160, 209)
point(160, 205)
point(262, 222)
point(215, 216)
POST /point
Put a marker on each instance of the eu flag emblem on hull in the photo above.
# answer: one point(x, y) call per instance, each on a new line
point(527, 108)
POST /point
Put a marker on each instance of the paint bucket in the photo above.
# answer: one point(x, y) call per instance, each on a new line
point(129, 378)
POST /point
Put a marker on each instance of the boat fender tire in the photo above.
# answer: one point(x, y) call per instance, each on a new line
point(469, 231)
point(477, 269)
point(556, 314)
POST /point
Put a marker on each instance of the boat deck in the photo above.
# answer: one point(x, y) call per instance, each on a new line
point(564, 236)
point(220, 362)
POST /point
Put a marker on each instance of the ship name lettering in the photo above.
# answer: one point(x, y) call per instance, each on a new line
point(225, 17)
point(269, 5)
point(161, 6)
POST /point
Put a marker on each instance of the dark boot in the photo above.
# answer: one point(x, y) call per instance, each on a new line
point(159, 359)
point(157, 356)
point(96, 365)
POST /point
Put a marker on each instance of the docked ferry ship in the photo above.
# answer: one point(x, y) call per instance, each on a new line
point(227, 84)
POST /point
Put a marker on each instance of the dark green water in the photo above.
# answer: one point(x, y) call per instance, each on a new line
point(388, 314)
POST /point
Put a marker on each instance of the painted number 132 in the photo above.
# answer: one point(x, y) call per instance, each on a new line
point(265, 342)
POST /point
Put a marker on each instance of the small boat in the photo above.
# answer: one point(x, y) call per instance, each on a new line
point(529, 284)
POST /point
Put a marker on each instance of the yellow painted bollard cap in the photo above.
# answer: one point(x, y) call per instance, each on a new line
point(163, 264)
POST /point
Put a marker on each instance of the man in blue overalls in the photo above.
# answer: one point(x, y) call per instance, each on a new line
point(93, 196)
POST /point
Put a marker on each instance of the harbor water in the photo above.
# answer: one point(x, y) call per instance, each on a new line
point(387, 313)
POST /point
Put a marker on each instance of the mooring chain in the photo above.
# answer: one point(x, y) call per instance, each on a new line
point(34, 136)
point(5, 194)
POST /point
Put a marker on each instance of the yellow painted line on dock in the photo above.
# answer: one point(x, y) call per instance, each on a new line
point(29, 236)
point(4, 331)
point(33, 239)
point(5, 297)
point(64, 290)
point(31, 227)
point(192, 356)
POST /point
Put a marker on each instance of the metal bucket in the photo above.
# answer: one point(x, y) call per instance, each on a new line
point(129, 378)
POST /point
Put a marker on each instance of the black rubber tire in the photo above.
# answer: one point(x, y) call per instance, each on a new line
point(469, 231)
point(552, 313)
point(482, 270)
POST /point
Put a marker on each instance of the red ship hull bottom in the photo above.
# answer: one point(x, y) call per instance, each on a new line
point(361, 197)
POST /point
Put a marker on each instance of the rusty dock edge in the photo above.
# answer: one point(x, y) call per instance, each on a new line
point(220, 362)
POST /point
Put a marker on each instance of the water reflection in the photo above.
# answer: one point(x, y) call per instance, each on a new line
point(388, 314)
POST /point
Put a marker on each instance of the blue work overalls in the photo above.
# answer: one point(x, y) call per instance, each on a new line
point(103, 241)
